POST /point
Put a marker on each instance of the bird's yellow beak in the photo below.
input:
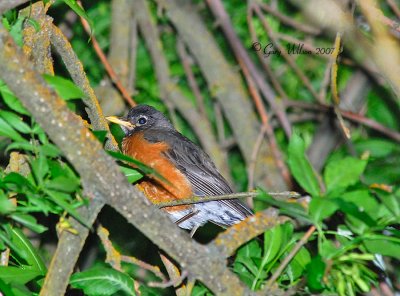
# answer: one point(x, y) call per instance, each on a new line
point(121, 122)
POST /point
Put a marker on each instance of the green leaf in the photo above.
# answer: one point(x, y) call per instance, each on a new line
point(245, 263)
point(7, 131)
point(65, 88)
point(6, 288)
point(78, 10)
point(315, 273)
point(321, 208)
point(32, 257)
point(6, 206)
point(294, 210)
point(100, 135)
point(16, 31)
point(28, 221)
point(18, 180)
point(276, 241)
point(18, 275)
point(141, 166)
point(391, 201)
point(343, 173)
point(39, 168)
point(15, 121)
point(353, 211)
point(63, 184)
point(131, 174)
point(383, 246)
point(298, 264)
point(300, 166)
point(102, 281)
point(11, 100)
point(376, 147)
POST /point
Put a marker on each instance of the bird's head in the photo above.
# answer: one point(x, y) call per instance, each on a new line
point(140, 118)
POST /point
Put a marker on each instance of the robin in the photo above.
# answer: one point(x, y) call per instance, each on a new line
point(185, 168)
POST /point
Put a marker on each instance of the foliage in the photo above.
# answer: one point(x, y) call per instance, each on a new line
point(354, 204)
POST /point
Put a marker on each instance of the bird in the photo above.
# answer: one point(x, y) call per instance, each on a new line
point(183, 170)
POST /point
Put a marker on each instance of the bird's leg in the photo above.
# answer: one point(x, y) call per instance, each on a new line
point(194, 229)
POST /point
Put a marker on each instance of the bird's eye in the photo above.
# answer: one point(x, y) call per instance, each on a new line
point(142, 120)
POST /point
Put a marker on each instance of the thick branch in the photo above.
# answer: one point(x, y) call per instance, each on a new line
point(101, 175)
point(229, 240)
point(75, 68)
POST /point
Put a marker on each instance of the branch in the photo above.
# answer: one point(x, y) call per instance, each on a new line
point(77, 72)
point(114, 77)
point(251, 194)
point(100, 174)
point(232, 238)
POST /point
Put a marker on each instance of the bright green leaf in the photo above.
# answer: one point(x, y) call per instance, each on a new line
point(18, 275)
point(15, 121)
point(6, 206)
point(39, 168)
point(300, 166)
point(65, 88)
point(383, 246)
point(7, 131)
point(63, 184)
point(131, 174)
point(28, 221)
point(16, 31)
point(103, 281)
point(343, 173)
point(315, 273)
point(11, 100)
point(321, 208)
point(32, 257)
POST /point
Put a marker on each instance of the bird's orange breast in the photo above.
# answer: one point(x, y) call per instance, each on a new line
point(175, 186)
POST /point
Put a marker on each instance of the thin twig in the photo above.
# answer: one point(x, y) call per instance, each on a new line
point(198, 199)
point(290, 256)
point(174, 274)
point(289, 59)
point(185, 59)
point(357, 118)
point(264, 62)
point(290, 21)
point(114, 258)
point(252, 164)
point(114, 77)
point(253, 78)
point(392, 4)
point(171, 283)
point(334, 88)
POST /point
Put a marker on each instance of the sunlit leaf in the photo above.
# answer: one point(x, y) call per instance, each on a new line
point(65, 88)
point(103, 281)
point(300, 166)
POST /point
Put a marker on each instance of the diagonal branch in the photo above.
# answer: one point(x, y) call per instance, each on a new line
point(100, 174)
